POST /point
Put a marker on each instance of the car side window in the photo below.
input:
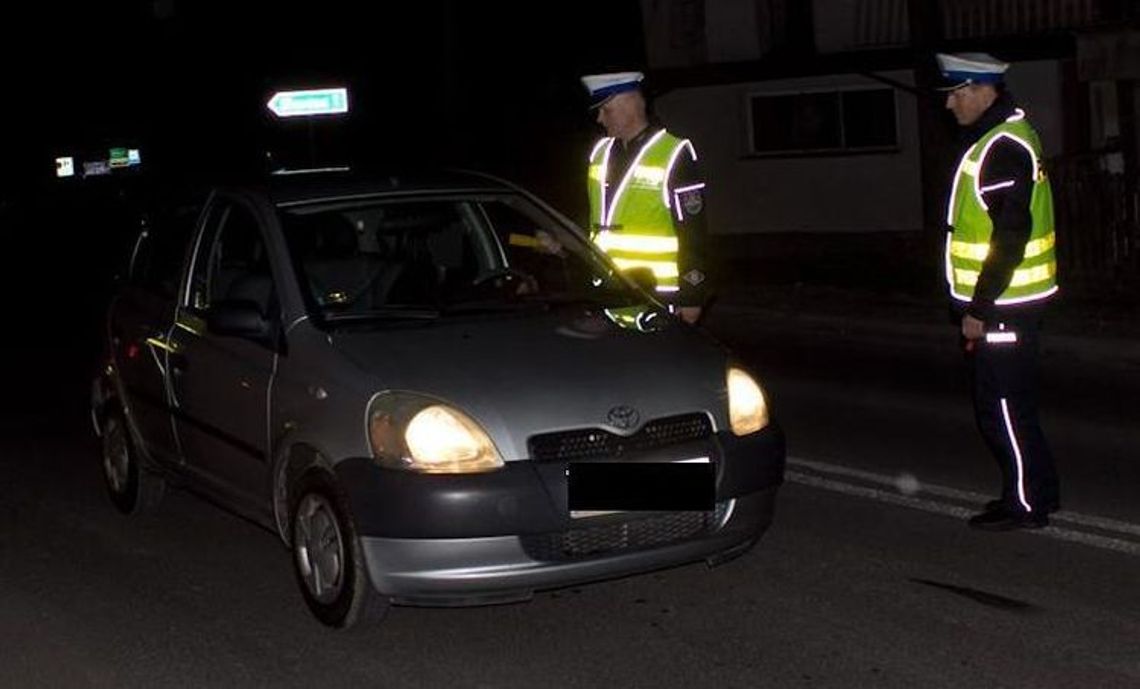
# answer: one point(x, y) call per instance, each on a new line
point(160, 251)
point(233, 262)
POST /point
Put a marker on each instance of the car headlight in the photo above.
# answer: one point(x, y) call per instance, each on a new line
point(420, 434)
point(747, 408)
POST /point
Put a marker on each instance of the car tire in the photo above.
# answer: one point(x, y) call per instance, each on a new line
point(131, 485)
point(327, 557)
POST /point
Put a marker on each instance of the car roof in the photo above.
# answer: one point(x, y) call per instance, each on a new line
point(302, 186)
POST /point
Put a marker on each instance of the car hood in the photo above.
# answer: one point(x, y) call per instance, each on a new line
point(520, 375)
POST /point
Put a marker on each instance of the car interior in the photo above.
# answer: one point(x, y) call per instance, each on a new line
point(398, 254)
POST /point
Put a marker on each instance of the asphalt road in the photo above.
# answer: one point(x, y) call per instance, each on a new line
point(868, 577)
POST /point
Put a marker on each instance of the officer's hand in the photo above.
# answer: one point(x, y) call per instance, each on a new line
point(689, 314)
point(548, 244)
point(972, 328)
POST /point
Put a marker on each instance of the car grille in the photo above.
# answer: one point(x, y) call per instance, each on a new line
point(635, 534)
point(595, 442)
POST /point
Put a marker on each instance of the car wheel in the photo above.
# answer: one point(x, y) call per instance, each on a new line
point(327, 558)
point(132, 487)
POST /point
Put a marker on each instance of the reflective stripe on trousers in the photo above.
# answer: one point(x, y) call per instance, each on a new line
point(1005, 388)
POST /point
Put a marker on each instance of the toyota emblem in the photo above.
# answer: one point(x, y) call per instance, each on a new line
point(623, 418)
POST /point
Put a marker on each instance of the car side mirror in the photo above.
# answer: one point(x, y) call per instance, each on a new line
point(642, 277)
point(239, 318)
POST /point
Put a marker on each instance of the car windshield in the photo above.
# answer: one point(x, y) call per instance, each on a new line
point(415, 257)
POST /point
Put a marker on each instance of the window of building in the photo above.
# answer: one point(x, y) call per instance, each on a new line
point(820, 122)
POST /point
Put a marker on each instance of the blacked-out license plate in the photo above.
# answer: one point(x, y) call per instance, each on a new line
point(645, 486)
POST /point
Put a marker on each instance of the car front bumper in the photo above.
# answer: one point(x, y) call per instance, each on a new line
point(500, 536)
point(501, 569)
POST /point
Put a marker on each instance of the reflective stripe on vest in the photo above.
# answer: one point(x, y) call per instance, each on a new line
point(632, 222)
point(968, 243)
point(980, 250)
point(1021, 276)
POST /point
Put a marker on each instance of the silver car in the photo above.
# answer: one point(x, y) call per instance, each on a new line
point(434, 389)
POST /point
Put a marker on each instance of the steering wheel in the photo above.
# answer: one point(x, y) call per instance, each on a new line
point(348, 296)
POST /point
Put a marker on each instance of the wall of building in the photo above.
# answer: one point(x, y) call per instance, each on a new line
point(863, 192)
point(1037, 87)
point(747, 194)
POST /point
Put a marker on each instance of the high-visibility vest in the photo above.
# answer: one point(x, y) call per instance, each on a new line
point(968, 242)
point(633, 221)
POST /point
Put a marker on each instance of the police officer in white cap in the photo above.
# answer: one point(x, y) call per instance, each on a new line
point(647, 199)
point(1001, 270)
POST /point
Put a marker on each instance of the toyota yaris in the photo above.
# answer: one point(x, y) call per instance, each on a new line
point(434, 389)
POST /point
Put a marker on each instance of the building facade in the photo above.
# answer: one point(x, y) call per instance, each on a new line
point(808, 118)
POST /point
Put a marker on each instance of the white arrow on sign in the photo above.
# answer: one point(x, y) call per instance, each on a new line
point(332, 101)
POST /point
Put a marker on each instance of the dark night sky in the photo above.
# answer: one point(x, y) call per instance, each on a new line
point(493, 84)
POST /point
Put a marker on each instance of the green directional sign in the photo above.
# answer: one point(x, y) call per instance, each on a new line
point(332, 101)
point(118, 157)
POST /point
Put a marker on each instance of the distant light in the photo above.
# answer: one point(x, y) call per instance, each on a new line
point(65, 166)
point(331, 101)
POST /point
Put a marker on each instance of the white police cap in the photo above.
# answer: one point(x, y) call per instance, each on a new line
point(602, 87)
point(962, 69)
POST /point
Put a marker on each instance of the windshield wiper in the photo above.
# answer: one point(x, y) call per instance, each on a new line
point(488, 306)
point(526, 302)
point(414, 313)
point(609, 299)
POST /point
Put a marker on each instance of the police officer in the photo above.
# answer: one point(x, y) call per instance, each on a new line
point(1001, 270)
point(647, 203)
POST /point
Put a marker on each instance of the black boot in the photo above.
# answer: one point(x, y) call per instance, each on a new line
point(1002, 519)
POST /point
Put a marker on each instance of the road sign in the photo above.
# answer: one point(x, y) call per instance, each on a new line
point(308, 103)
point(65, 166)
point(118, 157)
point(94, 168)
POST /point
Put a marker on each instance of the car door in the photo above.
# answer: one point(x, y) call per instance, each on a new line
point(220, 383)
point(141, 318)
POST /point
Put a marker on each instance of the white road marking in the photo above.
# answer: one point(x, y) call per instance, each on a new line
point(963, 495)
point(893, 497)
